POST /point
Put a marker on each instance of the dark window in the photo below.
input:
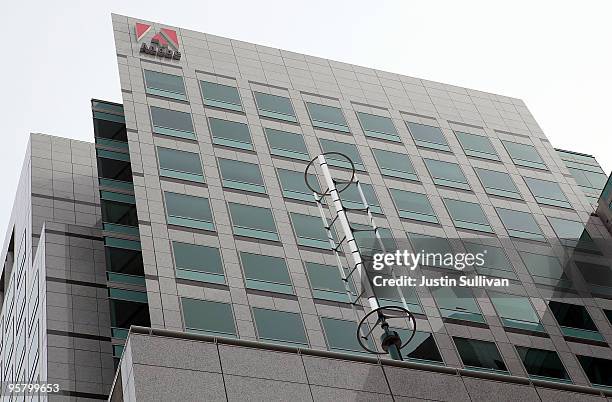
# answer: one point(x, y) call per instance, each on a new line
point(394, 164)
point(479, 354)
point(167, 85)
point(119, 213)
point(198, 263)
point(350, 150)
point(263, 272)
point(574, 321)
point(498, 183)
point(447, 174)
point(421, 347)
point(241, 175)
point(208, 317)
point(328, 117)
point(573, 234)
point(180, 165)
point(221, 96)
point(412, 205)
point(608, 314)
point(110, 127)
point(599, 371)
point(279, 327)
point(114, 171)
point(542, 363)
point(230, 134)
point(251, 221)
point(286, 144)
point(275, 107)
point(428, 136)
point(124, 261)
point(524, 155)
point(477, 145)
point(188, 210)
point(378, 127)
point(172, 123)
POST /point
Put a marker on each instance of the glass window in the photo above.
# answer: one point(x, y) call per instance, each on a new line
point(180, 165)
point(447, 174)
point(326, 282)
point(241, 175)
point(349, 150)
point(479, 354)
point(428, 136)
point(477, 145)
point(547, 192)
point(575, 321)
point(498, 183)
point(367, 241)
point(422, 347)
point(198, 263)
point(275, 107)
point(378, 127)
point(328, 117)
point(496, 262)
point(516, 312)
point(457, 303)
point(279, 327)
point(230, 134)
point(251, 221)
point(467, 215)
point(172, 123)
point(294, 186)
point(286, 144)
point(189, 211)
point(167, 85)
point(542, 363)
point(599, 277)
point(545, 269)
point(413, 205)
point(394, 164)
point(309, 231)
point(520, 224)
point(264, 272)
point(573, 234)
point(341, 335)
point(597, 370)
point(352, 199)
point(114, 173)
point(608, 314)
point(524, 155)
point(125, 313)
point(430, 244)
point(221, 96)
point(119, 217)
point(589, 181)
point(208, 317)
point(390, 296)
point(123, 261)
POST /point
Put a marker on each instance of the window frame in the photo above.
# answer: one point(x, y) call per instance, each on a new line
point(254, 233)
point(186, 221)
point(273, 114)
point(293, 194)
point(264, 284)
point(446, 182)
point(322, 243)
point(522, 234)
point(219, 103)
point(286, 153)
point(388, 136)
point(172, 131)
point(511, 321)
point(478, 347)
point(230, 142)
point(428, 144)
point(197, 177)
point(464, 224)
point(236, 184)
point(500, 192)
point(164, 92)
point(209, 331)
point(413, 215)
point(476, 153)
point(389, 172)
point(279, 341)
point(342, 163)
point(321, 293)
point(522, 356)
point(543, 200)
point(200, 275)
point(328, 125)
point(518, 161)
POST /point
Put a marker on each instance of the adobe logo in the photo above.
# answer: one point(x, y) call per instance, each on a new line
point(164, 43)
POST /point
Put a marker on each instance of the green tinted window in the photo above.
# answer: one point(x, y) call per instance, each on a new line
point(349, 150)
point(447, 174)
point(250, 221)
point(479, 354)
point(172, 123)
point(394, 164)
point(542, 363)
point(573, 235)
point(241, 175)
point(516, 312)
point(263, 272)
point(597, 370)
point(378, 127)
point(294, 185)
point(520, 224)
point(467, 215)
point(326, 282)
point(180, 164)
point(309, 231)
point(208, 317)
point(477, 146)
point(575, 321)
point(352, 199)
point(328, 117)
point(428, 136)
point(341, 335)
point(430, 244)
point(390, 296)
point(279, 327)
point(198, 263)
point(275, 107)
point(289, 145)
point(498, 183)
point(590, 182)
point(547, 192)
point(496, 262)
point(524, 155)
point(457, 303)
point(189, 211)
point(545, 269)
point(413, 205)
point(230, 134)
point(421, 347)
point(167, 85)
point(222, 96)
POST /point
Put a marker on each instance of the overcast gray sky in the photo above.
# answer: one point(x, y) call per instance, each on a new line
point(555, 55)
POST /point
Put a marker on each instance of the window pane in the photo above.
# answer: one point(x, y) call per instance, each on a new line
point(341, 335)
point(119, 213)
point(197, 262)
point(253, 221)
point(413, 205)
point(172, 123)
point(542, 363)
point(125, 313)
point(597, 369)
point(208, 317)
point(498, 183)
point(599, 277)
point(241, 175)
point(329, 117)
point(457, 303)
point(545, 269)
point(180, 164)
point(274, 106)
point(520, 224)
point(430, 244)
point(167, 85)
point(428, 136)
point(230, 134)
point(516, 312)
point(279, 326)
point(547, 192)
point(524, 155)
point(349, 150)
point(124, 261)
point(467, 215)
point(477, 145)
point(265, 272)
point(447, 174)
point(294, 185)
point(222, 96)
point(326, 282)
point(378, 127)
point(496, 262)
point(573, 234)
point(421, 347)
point(284, 143)
point(394, 164)
point(309, 231)
point(479, 354)
point(352, 199)
point(188, 210)
point(574, 321)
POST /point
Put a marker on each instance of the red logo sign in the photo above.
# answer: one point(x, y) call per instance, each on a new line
point(161, 43)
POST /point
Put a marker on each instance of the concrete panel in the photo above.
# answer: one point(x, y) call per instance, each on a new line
point(483, 390)
point(425, 384)
point(345, 374)
point(256, 389)
point(272, 365)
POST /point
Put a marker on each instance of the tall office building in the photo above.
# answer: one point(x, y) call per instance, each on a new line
point(205, 239)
